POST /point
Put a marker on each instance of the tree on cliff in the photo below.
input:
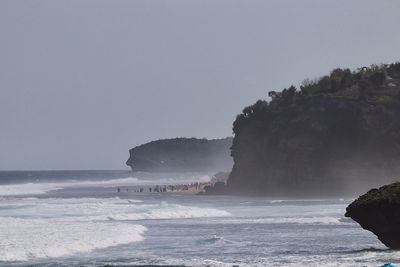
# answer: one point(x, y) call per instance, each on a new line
point(335, 131)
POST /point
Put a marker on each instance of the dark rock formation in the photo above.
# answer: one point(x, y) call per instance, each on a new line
point(182, 155)
point(219, 188)
point(378, 211)
point(332, 137)
point(220, 177)
point(217, 184)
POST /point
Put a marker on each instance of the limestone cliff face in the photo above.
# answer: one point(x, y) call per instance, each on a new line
point(182, 155)
point(336, 136)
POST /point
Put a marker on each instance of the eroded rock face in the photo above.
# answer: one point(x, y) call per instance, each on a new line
point(378, 211)
point(334, 136)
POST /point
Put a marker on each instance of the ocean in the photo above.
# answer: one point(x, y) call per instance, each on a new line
point(78, 218)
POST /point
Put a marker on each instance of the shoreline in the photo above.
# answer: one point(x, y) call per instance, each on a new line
point(191, 188)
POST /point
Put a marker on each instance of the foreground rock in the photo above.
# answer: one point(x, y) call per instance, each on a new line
point(378, 211)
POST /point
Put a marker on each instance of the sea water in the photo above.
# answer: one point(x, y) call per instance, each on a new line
point(80, 219)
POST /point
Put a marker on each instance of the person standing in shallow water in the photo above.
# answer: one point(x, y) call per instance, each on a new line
point(118, 189)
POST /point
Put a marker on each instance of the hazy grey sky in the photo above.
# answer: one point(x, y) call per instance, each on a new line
point(81, 82)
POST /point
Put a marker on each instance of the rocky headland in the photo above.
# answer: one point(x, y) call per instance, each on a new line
point(182, 155)
point(337, 135)
point(378, 211)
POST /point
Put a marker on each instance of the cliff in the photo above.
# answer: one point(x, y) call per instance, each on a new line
point(182, 155)
point(337, 135)
point(378, 211)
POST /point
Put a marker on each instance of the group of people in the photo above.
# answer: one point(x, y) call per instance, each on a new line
point(196, 187)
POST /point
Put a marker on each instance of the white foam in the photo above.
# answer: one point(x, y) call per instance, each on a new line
point(176, 180)
point(102, 209)
point(170, 211)
point(323, 220)
point(27, 189)
point(42, 188)
point(25, 239)
point(277, 201)
point(113, 182)
point(54, 227)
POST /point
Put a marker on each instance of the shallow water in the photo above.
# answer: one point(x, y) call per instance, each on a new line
point(64, 222)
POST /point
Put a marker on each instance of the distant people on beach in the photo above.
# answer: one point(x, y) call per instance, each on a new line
point(193, 188)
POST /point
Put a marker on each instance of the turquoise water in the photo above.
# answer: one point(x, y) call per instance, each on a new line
point(66, 222)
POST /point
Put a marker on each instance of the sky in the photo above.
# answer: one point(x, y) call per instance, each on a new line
point(83, 81)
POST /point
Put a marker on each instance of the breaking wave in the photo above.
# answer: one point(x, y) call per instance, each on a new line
point(66, 226)
point(43, 188)
point(325, 220)
point(39, 188)
point(25, 239)
point(102, 209)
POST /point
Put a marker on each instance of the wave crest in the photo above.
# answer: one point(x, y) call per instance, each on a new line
point(57, 238)
point(43, 188)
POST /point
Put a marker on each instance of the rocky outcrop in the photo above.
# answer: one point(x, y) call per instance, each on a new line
point(336, 136)
point(220, 177)
point(378, 211)
point(217, 184)
point(219, 188)
point(182, 155)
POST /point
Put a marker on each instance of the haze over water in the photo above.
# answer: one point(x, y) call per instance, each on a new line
point(88, 223)
point(82, 82)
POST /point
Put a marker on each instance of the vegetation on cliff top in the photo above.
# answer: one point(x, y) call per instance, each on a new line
point(367, 83)
point(327, 136)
